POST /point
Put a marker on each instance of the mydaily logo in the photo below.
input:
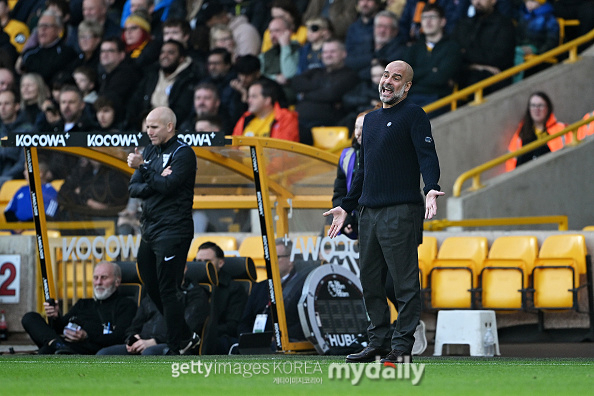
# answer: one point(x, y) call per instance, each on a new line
point(355, 372)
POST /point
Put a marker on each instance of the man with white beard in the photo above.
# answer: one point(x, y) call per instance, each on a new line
point(91, 324)
point(396, 149)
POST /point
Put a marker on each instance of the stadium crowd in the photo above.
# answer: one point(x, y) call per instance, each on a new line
point(270, 68)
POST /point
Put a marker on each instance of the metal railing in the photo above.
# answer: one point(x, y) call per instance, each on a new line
point(475, 173)
point(106, 225)
point(477, 89)
point(439, 225)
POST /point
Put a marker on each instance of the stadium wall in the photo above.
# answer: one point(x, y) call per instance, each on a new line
point(25, 247)
point(474, 135)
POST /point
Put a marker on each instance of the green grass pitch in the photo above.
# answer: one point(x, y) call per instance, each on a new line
point(288, 375)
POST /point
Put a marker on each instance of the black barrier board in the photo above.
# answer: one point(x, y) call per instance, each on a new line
point(105, 139)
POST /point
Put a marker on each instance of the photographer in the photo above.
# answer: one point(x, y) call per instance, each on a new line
point(91, 324)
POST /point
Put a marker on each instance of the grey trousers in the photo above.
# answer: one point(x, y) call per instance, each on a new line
point(388, 241)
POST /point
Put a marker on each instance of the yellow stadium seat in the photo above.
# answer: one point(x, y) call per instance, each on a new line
point(5, 233)
point(331, 138)
point(252, 247)
point(7, 191)
point(427, 253)
point(79, 279)
point(588, 228)
point(506, 271)
point(556, 273)
point(9, 188)
point(261, 273)
point(226, 242)
point(131, 285)
point(454, 274)
point(57, 184)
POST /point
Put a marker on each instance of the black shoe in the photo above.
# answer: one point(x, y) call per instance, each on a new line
point(51, 347)
point(62, 348)
point(396, 356)
point(47, 350)
point(369, 354)
point(170, 352)
point(190, 345)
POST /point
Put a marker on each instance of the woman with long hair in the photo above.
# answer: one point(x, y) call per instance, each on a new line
point(538, 122)
point(34, 92)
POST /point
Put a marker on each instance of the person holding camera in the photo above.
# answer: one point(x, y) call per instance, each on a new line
point(91, 324)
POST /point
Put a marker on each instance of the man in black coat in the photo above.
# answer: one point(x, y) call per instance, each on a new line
point(118, 76)
point(147, 333)
point(52, 55)
point(227, 303)
point(487, 41)
point(320, 91)
point(164, 180)
point(91, 324)
point(435, 58)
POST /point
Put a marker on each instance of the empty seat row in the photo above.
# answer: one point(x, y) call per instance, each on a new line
point(513, 274)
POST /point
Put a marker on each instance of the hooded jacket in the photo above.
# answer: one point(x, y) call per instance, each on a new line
point(285, 125)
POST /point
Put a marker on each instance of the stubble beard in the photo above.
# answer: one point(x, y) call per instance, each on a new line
point(395, 98)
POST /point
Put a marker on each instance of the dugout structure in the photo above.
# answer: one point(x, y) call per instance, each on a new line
point(276, 177)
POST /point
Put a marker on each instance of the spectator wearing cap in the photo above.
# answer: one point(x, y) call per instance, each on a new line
point(159, 12)
point(140, 46)
point(310, 55)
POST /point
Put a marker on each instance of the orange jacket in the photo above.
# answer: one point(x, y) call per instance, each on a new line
point(553, 126)
point(285, 125)
point(587, 129)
